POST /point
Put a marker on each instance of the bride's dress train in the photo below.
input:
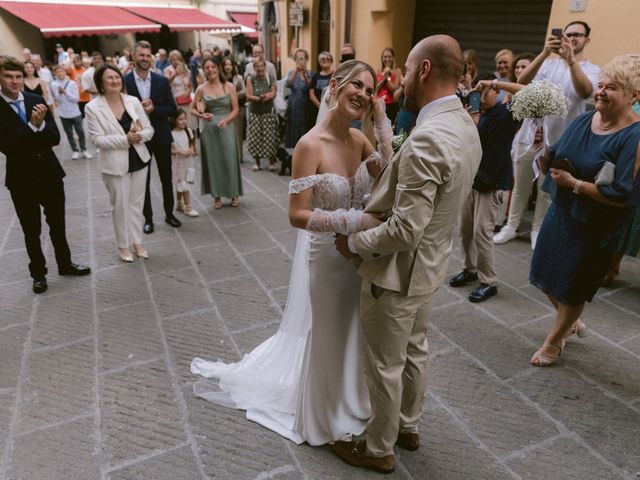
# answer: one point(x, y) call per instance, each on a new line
point(306, 382)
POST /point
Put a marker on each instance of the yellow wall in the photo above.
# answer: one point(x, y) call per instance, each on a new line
point(614, 26)
point(375, 24)
point(15, 35)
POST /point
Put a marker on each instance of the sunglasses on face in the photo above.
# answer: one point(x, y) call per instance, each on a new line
point(575, 35)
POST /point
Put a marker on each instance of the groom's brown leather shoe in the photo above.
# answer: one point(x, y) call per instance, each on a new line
point(355, 453)
point(409, 441)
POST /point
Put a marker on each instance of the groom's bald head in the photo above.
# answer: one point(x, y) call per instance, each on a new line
point(445, 56)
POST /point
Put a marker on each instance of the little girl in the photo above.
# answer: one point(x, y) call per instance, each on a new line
point(183, 149)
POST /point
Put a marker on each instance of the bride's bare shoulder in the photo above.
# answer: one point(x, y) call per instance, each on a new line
point(307, 154)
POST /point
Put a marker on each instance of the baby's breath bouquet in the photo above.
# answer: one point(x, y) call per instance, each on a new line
point(539, 99)
point(398, 140)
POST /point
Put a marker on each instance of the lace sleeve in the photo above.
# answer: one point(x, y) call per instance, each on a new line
point(383, 132)
point(299, 185)
point(341, 221)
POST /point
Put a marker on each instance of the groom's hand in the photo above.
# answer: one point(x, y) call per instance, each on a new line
point(342, 246)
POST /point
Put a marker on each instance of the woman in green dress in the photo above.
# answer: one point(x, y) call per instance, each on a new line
point(216, 103)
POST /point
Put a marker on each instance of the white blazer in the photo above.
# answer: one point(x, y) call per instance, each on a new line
point(109, 136)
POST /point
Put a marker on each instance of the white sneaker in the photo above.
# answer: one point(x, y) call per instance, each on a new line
point(534, 238)
point(87, 155)
point(503, 236)
point(75, 156)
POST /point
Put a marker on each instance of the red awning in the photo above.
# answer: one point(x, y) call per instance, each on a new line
point(57, 20)
point(177, 18)
point(247, 19)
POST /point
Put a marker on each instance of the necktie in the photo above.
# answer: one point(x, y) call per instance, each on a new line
point(21, 113)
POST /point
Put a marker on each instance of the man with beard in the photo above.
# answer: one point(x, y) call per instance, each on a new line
point(578, 78)
point(154, 92)
point(403, 261)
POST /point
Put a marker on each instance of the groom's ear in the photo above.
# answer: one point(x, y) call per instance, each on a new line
point(425, 69)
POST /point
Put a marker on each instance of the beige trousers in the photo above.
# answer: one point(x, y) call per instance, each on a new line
point(522, 187)
point(477, 220)
point(394, 329)
point(126, 193)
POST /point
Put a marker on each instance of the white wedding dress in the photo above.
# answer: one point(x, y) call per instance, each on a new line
point(306, 382)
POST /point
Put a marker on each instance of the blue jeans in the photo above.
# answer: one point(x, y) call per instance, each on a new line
point(69, 124)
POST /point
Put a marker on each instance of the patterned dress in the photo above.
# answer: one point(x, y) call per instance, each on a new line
point(262, 125)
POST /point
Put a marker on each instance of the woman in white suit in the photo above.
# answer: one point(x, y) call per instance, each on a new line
point(119, 127)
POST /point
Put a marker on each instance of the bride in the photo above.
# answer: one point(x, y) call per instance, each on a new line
point(306, 381)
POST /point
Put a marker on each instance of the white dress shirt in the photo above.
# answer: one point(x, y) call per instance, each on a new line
point(67, 101)
point(143, 84)
point(87, 82)
point(20, 100)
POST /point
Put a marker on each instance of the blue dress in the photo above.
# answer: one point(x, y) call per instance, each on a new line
point(579, 236)
point(298, 111)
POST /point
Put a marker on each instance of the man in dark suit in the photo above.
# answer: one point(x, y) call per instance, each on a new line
point(154, 92)
point(34, 175)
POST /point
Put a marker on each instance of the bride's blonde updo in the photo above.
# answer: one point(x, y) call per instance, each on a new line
point(344, 74)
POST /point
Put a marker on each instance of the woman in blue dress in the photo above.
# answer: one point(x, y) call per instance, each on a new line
point(590, 213)
point(299, 104)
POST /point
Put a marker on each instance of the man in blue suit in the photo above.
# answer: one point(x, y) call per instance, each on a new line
point(34, 175)
point(154, 92)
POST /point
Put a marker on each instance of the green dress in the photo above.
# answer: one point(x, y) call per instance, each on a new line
point(219, 152)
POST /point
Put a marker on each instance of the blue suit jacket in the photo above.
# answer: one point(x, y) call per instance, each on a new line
point(29, 154)
point(164, 105)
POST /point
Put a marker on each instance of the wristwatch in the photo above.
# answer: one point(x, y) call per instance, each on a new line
point(494, 84)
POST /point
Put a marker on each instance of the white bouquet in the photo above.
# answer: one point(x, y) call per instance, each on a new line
point(539, 99)
point(398, 140)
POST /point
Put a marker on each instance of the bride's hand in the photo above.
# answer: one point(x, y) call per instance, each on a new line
point(379, 110)
point(370, 221)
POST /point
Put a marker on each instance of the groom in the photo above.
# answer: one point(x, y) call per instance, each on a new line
point(404, 260)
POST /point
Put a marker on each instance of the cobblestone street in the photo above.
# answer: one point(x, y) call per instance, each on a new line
point(95, 380)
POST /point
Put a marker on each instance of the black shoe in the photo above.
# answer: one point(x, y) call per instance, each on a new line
point(463, 278)
point(483, 292)
point(148, 227)
point(173, 221)
point(40, 285)
point(74, 269)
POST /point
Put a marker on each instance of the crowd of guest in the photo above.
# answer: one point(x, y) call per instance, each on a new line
point(141, 106)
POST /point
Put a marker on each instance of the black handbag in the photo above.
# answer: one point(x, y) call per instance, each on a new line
point(483, 182)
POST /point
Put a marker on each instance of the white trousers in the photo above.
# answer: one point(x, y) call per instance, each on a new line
point(523, 185)
point(127, 198)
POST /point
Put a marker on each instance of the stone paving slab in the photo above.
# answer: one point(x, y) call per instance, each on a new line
point(61, 452)
point(140, 413)
point(59, 385)
point(95, 380)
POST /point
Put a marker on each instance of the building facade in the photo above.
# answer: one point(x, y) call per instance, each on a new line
point(487, 27)
point(17, 33)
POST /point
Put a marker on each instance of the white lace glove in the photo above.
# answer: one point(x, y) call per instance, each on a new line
point(383, 132)
point(341, 221)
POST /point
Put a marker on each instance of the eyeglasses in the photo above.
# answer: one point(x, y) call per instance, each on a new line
point(575, 35)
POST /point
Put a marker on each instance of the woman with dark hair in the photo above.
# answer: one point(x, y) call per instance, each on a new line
point(216, 102)
point(594, 187)
point(119, 127)
point(33, 83)
point(389, 78)
point(230, 73)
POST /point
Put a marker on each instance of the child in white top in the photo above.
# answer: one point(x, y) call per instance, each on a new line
point(183, 149)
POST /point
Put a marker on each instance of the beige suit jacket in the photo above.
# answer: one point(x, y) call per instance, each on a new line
point(107, 134)
point(420, 191)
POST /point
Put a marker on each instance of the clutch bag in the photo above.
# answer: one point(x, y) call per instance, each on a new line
point(606, 175)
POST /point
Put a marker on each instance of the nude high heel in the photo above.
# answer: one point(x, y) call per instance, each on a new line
point(540, 359)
